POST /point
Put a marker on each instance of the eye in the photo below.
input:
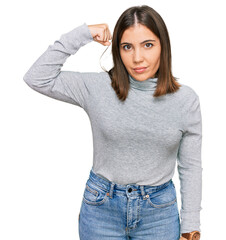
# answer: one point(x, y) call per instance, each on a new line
point(125, 46)
point(149, 45)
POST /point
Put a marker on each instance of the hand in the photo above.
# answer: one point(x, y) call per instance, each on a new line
point(101, 33)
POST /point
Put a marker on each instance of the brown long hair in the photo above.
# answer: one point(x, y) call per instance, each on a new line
point(148, 17)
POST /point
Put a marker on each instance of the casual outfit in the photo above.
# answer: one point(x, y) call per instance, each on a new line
point(136, 145)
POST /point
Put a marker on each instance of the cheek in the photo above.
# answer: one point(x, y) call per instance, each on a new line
point(158, 54)
point(125, 59)
point(153, 58)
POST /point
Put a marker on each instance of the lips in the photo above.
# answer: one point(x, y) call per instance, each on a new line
point(140, 69)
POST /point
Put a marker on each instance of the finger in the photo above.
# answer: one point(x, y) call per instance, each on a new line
point(105, 35)
point(102, 42)
point(109, 35)
point(106, 43)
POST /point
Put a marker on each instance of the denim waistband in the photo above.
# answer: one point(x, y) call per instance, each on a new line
point(128, 189)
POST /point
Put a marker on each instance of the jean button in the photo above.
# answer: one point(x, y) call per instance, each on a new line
point(130, 190)
point(145, 197)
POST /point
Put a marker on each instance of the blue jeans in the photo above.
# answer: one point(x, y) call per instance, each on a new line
point(120, 212)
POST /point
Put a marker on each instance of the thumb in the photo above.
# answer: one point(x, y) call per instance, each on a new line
point(107, 43)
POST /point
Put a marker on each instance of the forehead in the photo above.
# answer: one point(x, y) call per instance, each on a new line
point(138, 33)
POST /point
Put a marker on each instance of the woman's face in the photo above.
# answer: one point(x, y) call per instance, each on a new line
point(140, 47)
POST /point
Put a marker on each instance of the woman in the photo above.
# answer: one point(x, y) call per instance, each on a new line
point(142, 121)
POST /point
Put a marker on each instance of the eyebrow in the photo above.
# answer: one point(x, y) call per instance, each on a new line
point(149, 40)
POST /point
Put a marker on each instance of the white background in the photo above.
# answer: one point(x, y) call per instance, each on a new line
point(46, 145)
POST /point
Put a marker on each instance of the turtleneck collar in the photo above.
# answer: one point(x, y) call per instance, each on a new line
point(146, 85)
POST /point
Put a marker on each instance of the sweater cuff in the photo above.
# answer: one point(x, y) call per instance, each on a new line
point(190, 221)
point(76, 38)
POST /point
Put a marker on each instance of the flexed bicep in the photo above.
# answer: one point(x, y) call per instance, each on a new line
point(45, 75)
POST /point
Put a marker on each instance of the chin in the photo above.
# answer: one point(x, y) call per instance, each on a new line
point(143, 77)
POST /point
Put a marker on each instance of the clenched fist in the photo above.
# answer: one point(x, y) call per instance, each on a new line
point(101, 33)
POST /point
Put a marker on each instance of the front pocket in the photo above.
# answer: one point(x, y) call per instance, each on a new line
point(164, 197)
point(94, 195)
point(93, 191)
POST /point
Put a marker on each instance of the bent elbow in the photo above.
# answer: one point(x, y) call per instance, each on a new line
point(28, 80)
point(37, 82)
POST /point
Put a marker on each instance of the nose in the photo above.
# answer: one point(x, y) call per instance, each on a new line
point(137, 56)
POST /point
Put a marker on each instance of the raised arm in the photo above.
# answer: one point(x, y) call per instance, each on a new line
point(190, 166)
point(45, 75)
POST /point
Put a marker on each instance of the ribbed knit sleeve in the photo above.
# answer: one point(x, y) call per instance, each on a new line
point(190, 166)
point(45, 75)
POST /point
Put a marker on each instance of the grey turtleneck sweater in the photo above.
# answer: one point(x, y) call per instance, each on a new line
point(137, 141)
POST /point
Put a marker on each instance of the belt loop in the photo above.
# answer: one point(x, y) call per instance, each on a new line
point(145, 196)
point(111, 189)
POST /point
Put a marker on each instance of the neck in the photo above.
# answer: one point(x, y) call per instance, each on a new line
point(146, 85)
